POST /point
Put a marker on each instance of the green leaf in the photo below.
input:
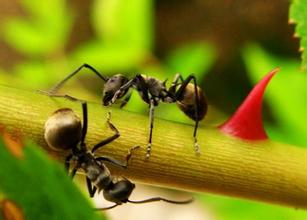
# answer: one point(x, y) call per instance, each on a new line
point(298, 15)
point(45, 10)
point(43, 32)
point(33, 74)
point(36, 75)
point(25, 37)
point(286, 94)
point(124, 22)
point(194, 58)
point(40, 186)
point(124, 30)
point(108, 57)
point(237, 209)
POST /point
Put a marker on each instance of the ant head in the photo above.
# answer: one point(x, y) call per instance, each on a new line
point(119, 192)
point(63, 129)
point(112, 85)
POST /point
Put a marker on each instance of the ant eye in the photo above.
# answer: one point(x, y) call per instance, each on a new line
point(109, 93)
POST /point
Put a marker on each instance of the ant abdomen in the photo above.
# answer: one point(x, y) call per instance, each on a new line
point(186, 102)
point(119, 192)
point(63, 129)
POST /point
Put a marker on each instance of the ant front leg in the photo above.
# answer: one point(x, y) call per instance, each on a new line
point(122, 90)
point(67, 166)
point(91, 189)
point(117, 162)
point(109, 139)
point(67, 162)
point(139, 81)
point(74, 171)
point(126, 100)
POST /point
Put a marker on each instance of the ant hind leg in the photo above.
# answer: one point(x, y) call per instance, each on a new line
point(179, 95)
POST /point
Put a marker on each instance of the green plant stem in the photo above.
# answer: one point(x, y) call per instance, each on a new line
point(258, 170)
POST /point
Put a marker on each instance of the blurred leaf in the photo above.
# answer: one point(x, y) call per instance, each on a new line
point(194, 58)
point(125, 35)
point(5, 78)
point(46, 9)
point(236, 209)
point(41, 187)
point(44, 32)
point(108, 57)
point(298, 15)
point(32, 74)
point(40, 75)
point(286, 94)
point(124, 22)
point(25, 37)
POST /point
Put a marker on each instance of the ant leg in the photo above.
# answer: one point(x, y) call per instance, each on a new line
point(67, 166)
point(151, 121)
point(117, 162)
point(91, 189)
point(126, 100)
point(172, 88)
point(139, 80)
point(109, 139)
point(73, 172)
point(85, 124)
point(112, 161)
point(122, 89)
point(59, 85)
point(179, 94)
point(67, 162)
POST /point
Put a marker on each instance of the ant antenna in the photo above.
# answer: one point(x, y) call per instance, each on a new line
point(156, 199)
point(58, 86)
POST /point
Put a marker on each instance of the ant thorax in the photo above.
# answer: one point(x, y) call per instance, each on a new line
point(156, 88)
point(97, 172)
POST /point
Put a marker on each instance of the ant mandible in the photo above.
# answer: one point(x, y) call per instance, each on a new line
point(63, 131)
point(188, 96)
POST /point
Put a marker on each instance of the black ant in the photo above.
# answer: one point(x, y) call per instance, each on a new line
point(63, 131)
point(188, 97)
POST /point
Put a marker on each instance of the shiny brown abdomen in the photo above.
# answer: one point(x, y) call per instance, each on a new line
point(187, 103)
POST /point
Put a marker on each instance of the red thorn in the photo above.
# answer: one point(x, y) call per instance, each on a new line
point(246, 122)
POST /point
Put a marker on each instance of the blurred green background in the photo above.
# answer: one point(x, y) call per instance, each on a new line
point(228, 44)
